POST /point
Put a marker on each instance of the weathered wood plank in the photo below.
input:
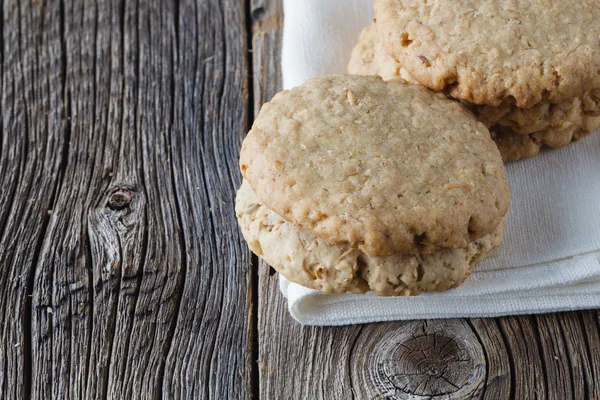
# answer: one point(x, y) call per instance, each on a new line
point(527, 374)
point(576, 353)
point(591, 332)
point(554, 356)
point(498, 381)
point(104, 294)
point(211, 351)
point(142, 285)
point(300, 362)
point(513, 357)
point(267, 30)
point(62, 318)
point(33, 134)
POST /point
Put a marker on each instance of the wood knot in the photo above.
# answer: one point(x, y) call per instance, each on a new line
point(427, 365)
point(258, 13)
point(119, 199)
point(422, 360)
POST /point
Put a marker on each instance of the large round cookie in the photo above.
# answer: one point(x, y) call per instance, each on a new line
point(387, 167)
point(310, 261)
point(486, 52)
point(518, 132)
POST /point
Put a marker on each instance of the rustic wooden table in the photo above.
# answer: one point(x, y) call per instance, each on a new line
point(123, 274)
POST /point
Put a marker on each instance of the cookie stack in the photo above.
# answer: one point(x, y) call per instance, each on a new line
point(529, 70)
point(352, 183)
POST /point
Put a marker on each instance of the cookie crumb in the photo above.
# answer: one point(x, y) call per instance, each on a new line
point(351, 97)
point(425, 61)
point(405, 39)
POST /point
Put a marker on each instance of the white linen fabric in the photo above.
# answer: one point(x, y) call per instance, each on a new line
point(550, 257)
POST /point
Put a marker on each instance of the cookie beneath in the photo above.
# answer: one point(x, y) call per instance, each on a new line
point(518, 132)
point(310, 261)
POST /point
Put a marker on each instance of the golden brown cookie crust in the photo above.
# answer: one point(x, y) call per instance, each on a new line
point(310, 261)
point(387, 167)
point(521, 133)
point(571, 115)
point(486, 52)
point(369, 58)
point(518, 132)
point(514, 146)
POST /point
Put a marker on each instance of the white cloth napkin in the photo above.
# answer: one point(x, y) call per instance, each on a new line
point(550, 257)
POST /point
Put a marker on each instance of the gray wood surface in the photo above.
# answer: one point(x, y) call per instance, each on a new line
point(122, 271)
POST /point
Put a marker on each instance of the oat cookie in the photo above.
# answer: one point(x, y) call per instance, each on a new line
point(369, 58)
point(386, 167)
point(304, 258)
point(521, 133)
point(545, 124)
point(487, 52)
point(514, 146)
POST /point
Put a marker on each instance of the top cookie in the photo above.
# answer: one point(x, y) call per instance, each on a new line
point(486, 52)
point(387, 167)
point(369, 58)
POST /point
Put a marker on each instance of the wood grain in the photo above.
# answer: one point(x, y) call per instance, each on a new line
point(497, 360)
point(210, 355)
point(34, 135)
point(124, 275)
